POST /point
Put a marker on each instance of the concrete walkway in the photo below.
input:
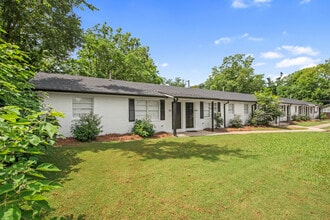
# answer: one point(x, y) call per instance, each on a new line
point(317, 128)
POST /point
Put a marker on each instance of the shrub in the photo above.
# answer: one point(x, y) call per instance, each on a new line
point(143, 128)
point(218, 120)
point(296, 118)
point(87, 127)
point(323, 116)
point(260, 117)
point(236, 122)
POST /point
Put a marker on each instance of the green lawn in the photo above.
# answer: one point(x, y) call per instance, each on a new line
point(311, 123)
point(254, 176)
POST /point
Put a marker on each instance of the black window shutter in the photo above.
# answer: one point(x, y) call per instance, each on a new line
point(162, 109)
point(131, 110)
point(219, 106)
point(201, 109)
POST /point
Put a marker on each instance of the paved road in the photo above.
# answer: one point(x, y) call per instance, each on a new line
point(317, 128)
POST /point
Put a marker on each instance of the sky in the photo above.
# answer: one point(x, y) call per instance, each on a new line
point(187, 38)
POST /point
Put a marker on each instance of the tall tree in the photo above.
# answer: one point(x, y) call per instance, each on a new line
point(268, 108)
point(43, 29)
point(175, 82)
point(235, 75)
point(118, 54)
point(310, 84)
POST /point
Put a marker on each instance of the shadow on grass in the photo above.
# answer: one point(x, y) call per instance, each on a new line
point(66, 158)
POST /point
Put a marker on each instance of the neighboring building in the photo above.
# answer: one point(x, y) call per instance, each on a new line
point(170, 108)
point(326, 109)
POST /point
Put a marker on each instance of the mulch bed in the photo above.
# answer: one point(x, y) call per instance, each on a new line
point(107, 138)
point(245, 128)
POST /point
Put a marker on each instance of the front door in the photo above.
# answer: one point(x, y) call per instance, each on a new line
point(176, 115)
point(189, 115)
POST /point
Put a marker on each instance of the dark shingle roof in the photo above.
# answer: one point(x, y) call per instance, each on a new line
point(71, 83)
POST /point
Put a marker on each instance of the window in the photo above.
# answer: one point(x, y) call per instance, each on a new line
point(231, 108)
point(147, 109)
point(283, 108)
point(131, 110)
point(81, 106)
point(201, 108)
point(162, 110)
point(295, 109)
point(219, 107)
point(207, 110)
point(246, 109)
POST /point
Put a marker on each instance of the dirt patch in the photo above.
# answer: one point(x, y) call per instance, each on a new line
point(108, 138)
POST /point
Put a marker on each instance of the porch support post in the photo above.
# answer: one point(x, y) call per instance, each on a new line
point(212, 116)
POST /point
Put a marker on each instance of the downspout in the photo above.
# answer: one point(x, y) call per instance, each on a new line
point(175, 101)
point(224, 114)
point(289, 114)
point(212, 115)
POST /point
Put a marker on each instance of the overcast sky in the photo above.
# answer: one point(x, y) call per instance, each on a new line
point(187, 38)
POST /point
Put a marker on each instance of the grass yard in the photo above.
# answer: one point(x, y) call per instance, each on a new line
point(250, 176)
point(312, 123)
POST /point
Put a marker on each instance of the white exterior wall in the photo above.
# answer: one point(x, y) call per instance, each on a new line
point(238, 110)
point(311, 111)
point(114, 112)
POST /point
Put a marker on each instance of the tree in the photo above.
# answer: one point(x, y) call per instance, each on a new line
point(235, 75)
point(268, 108)
point(310, 84)
point(175, 82)
point(106, 53)
point(25, 133)
point(43, 29)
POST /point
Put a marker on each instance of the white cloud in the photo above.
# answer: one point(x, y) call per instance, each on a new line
point(259, 64)
point(239, 4)
point(164, 65)
point(249, 3)
point(304, 2)
point(271, 55)
point(297, 50)
point(301, 62)
point(226, 40)
point(251, 38)
point(223, 40)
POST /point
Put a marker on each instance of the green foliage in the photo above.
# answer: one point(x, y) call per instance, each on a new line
point(25, 133)
point(218, 119)
point(300, 118)
point(310, 84)
point(43, 29)
point(143, 128)
point(175, 82)
point(87, 128)
point(22, 140)
point(14, 75)
point(105, 52)
point(268, 108)
point(323, 116)
point(235, 75)
point(236, 122)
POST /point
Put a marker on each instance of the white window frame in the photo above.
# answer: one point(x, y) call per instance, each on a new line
point(147, 109)
point(207, 110)
point(246, 109)
point(82, 105)
point(231, 108)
